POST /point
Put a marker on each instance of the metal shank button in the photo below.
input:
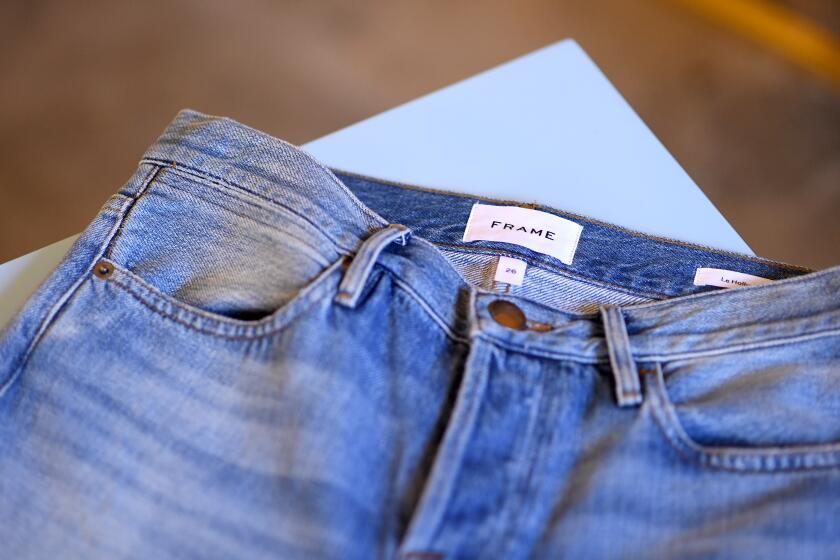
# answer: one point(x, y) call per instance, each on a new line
point(507, 314)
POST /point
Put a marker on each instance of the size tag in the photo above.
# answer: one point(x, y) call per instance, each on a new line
point(536, 230)
point(726, 278)
point(510, 270)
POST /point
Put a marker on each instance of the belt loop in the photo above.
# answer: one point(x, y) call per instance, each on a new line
point(628, 390)
point(357, 273)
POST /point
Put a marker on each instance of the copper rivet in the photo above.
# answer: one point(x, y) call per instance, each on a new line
point(103, 269)
point(507, 314)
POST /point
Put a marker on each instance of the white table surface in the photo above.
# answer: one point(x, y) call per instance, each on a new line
point(547, 127)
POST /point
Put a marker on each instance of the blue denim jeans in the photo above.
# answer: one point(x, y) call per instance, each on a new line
point(249, 355)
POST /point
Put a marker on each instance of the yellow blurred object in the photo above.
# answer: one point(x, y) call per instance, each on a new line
point(780, 29)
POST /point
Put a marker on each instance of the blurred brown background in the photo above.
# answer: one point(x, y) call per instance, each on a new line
point(86, 87)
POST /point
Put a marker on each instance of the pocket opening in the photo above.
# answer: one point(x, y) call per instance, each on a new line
point(216, 257)
point(758, 457)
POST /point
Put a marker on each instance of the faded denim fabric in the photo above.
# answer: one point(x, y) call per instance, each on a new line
point(249, 355)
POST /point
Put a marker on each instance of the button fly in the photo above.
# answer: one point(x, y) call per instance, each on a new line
point(507, 314)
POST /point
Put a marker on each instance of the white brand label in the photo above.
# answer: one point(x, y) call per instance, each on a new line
point(536, 230)
point(510, 270)
point(726, 278)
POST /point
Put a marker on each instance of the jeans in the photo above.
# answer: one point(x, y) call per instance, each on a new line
point(247, 354)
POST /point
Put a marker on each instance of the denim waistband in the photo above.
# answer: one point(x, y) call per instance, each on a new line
point(680, 320)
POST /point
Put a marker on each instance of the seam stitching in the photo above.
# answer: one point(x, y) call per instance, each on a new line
point(210, 178)
point(65, 296)
point(426, 307)
point(723, 459)
point(278, 320)
point(254, 331)
point(765, 343)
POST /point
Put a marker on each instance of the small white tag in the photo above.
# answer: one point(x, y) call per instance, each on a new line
point(536, 230)
point(726, 278)
point(510, 270)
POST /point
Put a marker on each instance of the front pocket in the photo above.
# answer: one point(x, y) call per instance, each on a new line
point(764, 409)
point(208, 248)
point(322, 287)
